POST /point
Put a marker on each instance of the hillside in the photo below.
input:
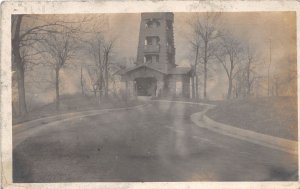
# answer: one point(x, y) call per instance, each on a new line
point(276, 116)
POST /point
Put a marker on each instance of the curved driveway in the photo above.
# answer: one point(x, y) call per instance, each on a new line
point(157, 142)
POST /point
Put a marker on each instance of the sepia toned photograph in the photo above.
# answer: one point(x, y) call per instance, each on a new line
point(154, 97)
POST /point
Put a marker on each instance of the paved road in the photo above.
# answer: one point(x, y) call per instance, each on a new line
point(157, 142)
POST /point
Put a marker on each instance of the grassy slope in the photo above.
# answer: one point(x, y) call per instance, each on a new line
point(276, 116)
point(73, 103)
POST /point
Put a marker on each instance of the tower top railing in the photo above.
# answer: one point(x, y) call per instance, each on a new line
point(158, 15)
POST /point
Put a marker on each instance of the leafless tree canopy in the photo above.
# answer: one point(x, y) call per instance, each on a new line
point(204, 36)
point(52, 41)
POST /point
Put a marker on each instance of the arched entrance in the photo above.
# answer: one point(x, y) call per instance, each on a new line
point(145, 86)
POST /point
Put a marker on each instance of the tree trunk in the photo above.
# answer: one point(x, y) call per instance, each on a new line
point(106, 82)
point(248, 80)
point(205, 80)
point(19, 66)
point(127, 90)
point(193, 86)
point(81, 82)
point(106, 75)
point(229, 88)
point(205, 70)
point(197, 86)
point(196, 94)
point(230, 78)
point(237, 91)
point(21, 90)
point(57, 102)
point(276, 87)
point(249, 90)
point(95, 93)
point(100, 85)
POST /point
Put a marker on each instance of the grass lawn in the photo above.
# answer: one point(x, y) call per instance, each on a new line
point(276, 116)
point(74, 103)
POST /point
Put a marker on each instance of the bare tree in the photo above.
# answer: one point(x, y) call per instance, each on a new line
point(246, 73)
point(251, 59)
point(95, 46)
point(93, 79)
point(230, 56)
point(205, 34)
point(282, 84)
point(269, 65)
point(195, 42)
point(61, 47)
point(289, 81)
point(276, 83)
point(17, 39)
point(82, 81)
point(20, 39)
point(26, 34)
point(195, 93)
point(100, 49)
point(239, 83)
point(107, 50)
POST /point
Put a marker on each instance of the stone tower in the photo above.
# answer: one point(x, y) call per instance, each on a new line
point(156, 73)
point(156, 41)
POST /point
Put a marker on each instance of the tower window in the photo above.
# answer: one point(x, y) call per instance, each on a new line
point(147, 59)
point(153, 40)
point(150, 58)
point(152, 23)
point(169, 24)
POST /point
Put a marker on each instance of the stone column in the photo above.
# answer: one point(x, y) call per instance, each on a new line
point(131, 89)
point(126, 88)
point(160, 86)
point(134, 87)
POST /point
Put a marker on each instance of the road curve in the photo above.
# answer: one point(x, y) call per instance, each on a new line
point(157, 142)
point(21, 131)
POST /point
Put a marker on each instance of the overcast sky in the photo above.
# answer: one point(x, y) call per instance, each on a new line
point(256, 27)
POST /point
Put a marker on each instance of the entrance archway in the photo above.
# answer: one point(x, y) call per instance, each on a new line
point(145, 86)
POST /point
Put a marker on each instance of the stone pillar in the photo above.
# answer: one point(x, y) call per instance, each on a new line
point(131, 89)
point(126, 87)
point(172, 86)
point(160, 87)
point(134, 87)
